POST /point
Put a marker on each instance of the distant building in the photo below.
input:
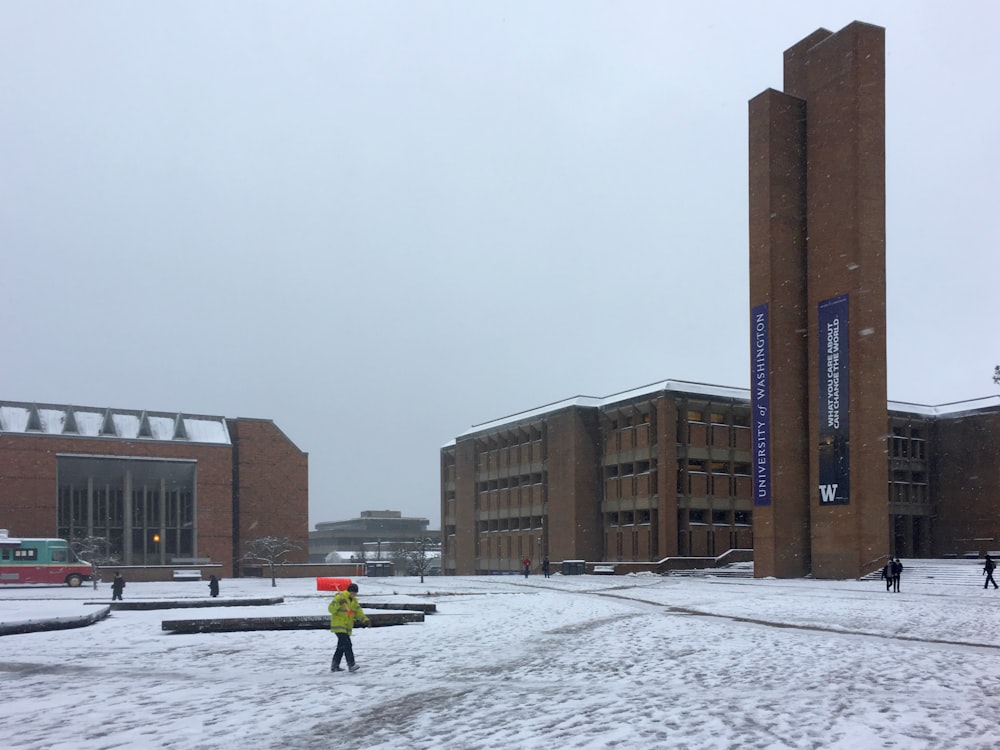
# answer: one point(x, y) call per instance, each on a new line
point(369, 532)
point(161, 487)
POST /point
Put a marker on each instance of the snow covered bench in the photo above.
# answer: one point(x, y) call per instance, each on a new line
point(187, 575)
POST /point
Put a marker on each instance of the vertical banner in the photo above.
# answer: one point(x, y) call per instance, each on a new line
point(760, 405)
point(834, 445)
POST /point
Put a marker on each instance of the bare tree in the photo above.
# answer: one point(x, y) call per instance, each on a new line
point(996, 375)
point(419, 557)
point(98, 551)
point(399, 554)
point(270, 550)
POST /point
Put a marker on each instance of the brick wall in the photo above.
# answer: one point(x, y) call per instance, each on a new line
point(272, 496)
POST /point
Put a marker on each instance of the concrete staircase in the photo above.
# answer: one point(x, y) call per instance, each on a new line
point(733, 570)
point(951, 572)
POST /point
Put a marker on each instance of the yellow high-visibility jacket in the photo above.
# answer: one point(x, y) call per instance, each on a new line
point(344, 611)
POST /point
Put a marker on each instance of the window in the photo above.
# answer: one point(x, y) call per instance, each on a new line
point(92, 500)
point(24, 555)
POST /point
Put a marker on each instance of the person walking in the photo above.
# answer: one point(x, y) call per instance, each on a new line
point(897, 571)
point(545, 566)
point(344, 612)
point(117, 586)
point(887, 574)
point(527, 566)
point(213, 586)
point(988, 567)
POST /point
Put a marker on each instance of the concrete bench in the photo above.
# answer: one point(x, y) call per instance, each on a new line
point(187, 575)
point(604, 570)
point(293, 622)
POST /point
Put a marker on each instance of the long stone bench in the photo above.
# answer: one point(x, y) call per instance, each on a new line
point(427, 609)
point(54, 623)
point(189, 603)
point(297, 622)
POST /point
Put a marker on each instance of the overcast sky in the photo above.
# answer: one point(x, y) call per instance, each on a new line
point(381, 223)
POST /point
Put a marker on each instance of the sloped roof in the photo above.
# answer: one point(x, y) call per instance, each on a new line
point(121, 424)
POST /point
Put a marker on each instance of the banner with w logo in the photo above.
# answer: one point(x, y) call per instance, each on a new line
point(834, 434)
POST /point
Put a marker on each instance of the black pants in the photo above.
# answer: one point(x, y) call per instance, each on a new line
point(989, 580)
point(344, 649)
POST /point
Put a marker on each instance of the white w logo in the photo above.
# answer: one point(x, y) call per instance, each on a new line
point(828, 492)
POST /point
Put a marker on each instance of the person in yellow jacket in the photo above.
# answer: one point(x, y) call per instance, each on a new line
point(344, 612)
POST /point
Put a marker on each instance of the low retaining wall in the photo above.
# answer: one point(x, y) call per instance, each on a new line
point(173, 604)
point(55, 623)
point(300, 622)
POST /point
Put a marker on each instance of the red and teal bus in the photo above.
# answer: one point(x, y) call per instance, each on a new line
point(27, 561)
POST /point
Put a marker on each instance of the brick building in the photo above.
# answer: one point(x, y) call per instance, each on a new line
point(665, 471)
point(161, 487)
point(812, 468)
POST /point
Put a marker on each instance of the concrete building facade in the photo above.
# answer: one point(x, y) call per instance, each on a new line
point(162, 488)
point(365, 535)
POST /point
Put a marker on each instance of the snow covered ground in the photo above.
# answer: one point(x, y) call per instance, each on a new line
point(569, 662)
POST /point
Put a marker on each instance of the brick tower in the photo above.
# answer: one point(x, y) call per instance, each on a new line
point(817, 317)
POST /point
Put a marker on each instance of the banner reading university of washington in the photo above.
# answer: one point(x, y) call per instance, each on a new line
point(760, 405)
point(834, 445)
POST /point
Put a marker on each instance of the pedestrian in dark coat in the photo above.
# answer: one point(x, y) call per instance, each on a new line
point(545, 566)
point(897, 571)
point(887, 574)
point(117, 586)
point(988, 567)
point(213, 586)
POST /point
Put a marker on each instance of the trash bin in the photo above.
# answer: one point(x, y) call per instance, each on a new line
point(378, 569)
point(574, 567)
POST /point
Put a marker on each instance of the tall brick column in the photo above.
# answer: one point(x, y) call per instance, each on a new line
point(817, 297)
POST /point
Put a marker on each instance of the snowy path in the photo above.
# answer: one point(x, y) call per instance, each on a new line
point(581, 662)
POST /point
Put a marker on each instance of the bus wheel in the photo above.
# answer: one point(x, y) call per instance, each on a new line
point(74, 581)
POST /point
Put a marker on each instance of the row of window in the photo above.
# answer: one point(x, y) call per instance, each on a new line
point(524, 523)
point(529, 437)
point(717, 517)
point(900, 447)
point(628, 518)
point(506, 483)
point(902, 492)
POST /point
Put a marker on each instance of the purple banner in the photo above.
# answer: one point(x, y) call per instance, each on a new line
point(760, 405)
point(834, 442)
